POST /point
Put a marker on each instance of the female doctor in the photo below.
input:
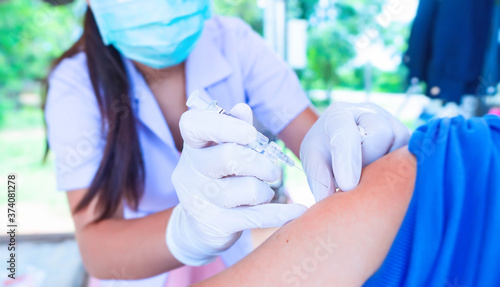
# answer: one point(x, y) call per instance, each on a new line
point(117, 123)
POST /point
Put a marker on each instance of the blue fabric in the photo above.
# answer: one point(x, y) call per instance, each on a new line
point(450, 235)
point(447, 45)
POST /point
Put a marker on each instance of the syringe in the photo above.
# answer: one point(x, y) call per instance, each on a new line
point(261, 145)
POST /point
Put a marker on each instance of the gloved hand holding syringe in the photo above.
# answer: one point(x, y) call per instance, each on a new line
point(261, 145)
point(222, 188)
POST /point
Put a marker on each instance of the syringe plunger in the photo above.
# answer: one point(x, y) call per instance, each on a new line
point(197, 101)
point(261, 145)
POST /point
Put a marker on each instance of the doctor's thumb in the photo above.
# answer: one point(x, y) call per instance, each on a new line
point(346, 162)
point(243, 112)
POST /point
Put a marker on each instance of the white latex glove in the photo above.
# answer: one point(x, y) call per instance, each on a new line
point(346, 138)
point(221, 187)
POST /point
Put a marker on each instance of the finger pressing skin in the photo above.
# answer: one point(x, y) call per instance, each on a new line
point(345, 147)
point(379, 138)
point(316, 160)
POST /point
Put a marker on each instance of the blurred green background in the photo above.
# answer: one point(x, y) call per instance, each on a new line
point(33, 33)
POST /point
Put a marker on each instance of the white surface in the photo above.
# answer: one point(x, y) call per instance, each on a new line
point(409, 107)
point(296, 53)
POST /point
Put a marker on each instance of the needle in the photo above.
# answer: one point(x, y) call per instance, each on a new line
point(306, 175)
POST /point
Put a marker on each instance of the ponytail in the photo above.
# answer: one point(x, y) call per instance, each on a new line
point(121, 172)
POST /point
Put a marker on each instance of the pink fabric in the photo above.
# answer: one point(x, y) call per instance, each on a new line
point(495, 111)
point(187, 275)
point(93, 282)
point(183, 276)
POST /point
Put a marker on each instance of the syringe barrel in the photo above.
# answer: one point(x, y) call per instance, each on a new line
point(203, 102)
point(274, 152)
point(195, 100)
point(261, 144)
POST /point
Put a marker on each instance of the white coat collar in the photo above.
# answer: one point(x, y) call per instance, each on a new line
point(205, 66)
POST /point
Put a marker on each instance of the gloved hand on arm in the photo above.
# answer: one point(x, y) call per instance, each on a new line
point(344, 139)
point(221, 186)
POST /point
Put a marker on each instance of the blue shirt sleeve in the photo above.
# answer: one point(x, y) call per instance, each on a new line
point(450, 235)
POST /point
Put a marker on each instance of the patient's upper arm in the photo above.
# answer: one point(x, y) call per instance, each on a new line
point(340, 241)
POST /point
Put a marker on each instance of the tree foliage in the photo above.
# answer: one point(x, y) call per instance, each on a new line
point(329, 49)
point(32, 33)
point(301, 9)
point(245, 9)
point(339, 31)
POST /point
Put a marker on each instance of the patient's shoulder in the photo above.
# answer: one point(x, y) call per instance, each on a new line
point(365, 220)
point(392, 174)
point(386, 184)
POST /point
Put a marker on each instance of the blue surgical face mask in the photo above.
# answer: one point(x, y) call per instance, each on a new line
point(156, 33)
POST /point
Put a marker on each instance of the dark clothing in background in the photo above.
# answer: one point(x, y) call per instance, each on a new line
point(491, 68)
point(447, 45)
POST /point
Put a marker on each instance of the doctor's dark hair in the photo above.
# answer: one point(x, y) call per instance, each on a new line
point(121, 172)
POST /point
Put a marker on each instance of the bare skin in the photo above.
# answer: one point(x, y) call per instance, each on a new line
point(340, 241)
point(169, 89)
point(117, 248)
